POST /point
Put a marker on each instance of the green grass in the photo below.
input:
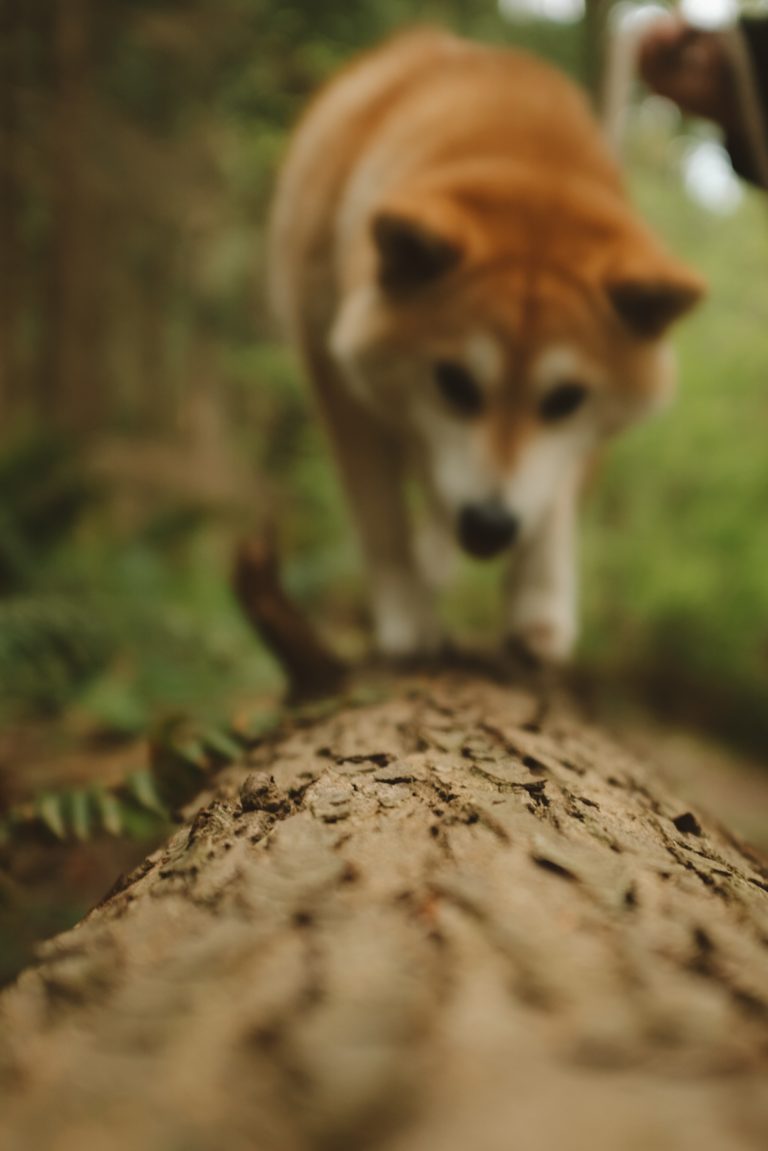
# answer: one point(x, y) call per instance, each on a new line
point(676, 541)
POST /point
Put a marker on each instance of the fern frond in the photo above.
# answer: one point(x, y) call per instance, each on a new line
point(50, 646)
point(182, 761)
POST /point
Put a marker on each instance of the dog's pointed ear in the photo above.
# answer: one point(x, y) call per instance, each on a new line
point(652, 293)
point(649, 307)
point(412, 250)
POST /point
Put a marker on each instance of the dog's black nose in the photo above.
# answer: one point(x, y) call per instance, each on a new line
point(486, 529)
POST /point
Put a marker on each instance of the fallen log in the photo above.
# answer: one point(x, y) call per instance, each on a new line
point(434, 922)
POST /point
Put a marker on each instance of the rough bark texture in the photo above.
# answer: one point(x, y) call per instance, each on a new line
point(431, 923)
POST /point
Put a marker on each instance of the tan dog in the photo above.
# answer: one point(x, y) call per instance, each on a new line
point(453, 253)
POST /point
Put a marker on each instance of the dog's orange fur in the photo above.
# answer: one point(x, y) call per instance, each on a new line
point(491, 164)
point(492, 147)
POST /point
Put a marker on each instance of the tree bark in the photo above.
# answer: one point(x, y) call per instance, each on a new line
point(432, 922)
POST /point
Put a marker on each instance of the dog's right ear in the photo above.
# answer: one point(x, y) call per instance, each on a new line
point(412, 250)
point(649, 289)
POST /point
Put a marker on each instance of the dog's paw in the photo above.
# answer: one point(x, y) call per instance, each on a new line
point(541, 630)
point(405, 619)
point(436, 552)
point(407, 635)
point(540, 646)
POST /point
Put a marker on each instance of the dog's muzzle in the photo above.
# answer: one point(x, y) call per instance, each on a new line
point(485, 530)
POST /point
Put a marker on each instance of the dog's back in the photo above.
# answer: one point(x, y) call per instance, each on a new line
point(424, 106)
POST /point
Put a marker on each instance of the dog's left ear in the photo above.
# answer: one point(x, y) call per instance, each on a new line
point(414, 246)
point(650, 294)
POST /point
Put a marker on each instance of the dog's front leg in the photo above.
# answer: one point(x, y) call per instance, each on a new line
point(371, 466)
point(541, 592)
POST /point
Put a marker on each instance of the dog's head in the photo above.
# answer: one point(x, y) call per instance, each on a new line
point(504, 340)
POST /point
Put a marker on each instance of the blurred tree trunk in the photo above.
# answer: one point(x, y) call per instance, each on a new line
point(11, 25)
point(596, 47)
point(438, 921)
point(71, 328)
point(157, 403)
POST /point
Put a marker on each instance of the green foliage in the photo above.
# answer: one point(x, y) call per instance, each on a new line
point(50, 647)
point(51, 643)
point(44, 493)
point(82, 814)
point(676, 547)
point(182, 758)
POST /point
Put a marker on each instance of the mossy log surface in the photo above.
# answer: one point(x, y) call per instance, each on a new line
point(430, 923)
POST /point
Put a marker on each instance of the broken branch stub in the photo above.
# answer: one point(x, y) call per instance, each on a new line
point(311, 669)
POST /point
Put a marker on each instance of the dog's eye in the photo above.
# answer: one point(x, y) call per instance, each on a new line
point(562, 402)
point(459, 388)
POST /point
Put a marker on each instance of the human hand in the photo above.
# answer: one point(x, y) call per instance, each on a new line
point(690, 67)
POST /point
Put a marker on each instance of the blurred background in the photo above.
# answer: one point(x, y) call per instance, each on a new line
point(149, 417)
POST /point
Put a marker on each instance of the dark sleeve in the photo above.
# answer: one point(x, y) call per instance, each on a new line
point(755, 32)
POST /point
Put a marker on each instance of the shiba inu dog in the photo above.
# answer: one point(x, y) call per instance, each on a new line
point(453, 253)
